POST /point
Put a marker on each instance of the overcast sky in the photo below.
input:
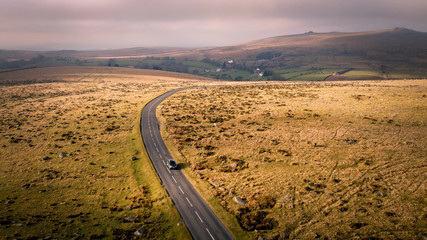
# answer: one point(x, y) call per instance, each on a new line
point(107, 24)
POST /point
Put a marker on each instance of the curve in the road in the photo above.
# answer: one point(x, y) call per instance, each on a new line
point(196, 214)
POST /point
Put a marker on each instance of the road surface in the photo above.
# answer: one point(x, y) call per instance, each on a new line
point(196, 214)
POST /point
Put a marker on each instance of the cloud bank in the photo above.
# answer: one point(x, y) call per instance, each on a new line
point(104, 24)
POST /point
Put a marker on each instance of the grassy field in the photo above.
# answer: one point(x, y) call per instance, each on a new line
point(302, 74)
point(72, 160)
point(305, 160)
point(330, 160)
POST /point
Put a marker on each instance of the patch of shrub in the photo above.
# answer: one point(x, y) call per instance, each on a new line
point(261, 201)
point(256, 220)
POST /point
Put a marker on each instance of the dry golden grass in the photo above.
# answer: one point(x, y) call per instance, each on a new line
point(72, 161)
point(312, 160)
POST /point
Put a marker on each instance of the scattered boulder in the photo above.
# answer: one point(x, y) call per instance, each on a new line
point(239, 200)
point(62, 154)
point(128, 219)
point(378, 193)
point(139, 232)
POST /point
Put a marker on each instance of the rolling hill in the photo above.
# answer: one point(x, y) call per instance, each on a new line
point(386, 46)
point(383, 54)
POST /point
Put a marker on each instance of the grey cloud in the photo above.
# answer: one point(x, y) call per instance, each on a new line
point(197, 9)
point(103, 23)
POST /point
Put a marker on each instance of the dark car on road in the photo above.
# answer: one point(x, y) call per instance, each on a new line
point(172, 164)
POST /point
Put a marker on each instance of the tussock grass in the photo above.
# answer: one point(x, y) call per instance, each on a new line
point(310, 160)
point(72, 160)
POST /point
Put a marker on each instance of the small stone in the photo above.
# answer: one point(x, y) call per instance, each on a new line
point(128, 219)
point(139, 232)
point(62, 154)
point(134, 158)
point(239, 200)
point(286, 197)
point(378, 193)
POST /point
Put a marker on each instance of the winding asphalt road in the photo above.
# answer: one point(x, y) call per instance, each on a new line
point(196, 214)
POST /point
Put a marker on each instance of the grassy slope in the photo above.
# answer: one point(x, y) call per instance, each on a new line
point(92, 116)
point(336, 160)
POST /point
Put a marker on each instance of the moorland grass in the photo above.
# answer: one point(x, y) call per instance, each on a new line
point(72, 160)
point(311, 160)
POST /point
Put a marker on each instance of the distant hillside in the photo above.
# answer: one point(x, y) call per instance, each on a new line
point(398, 44)
point(12, 55)
point(384, 54)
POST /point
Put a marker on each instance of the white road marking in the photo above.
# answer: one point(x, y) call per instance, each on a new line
point(199, 217)
point(157, 150)
point(168, 170)
point(181, 189)
point(189, 202)
point(174, 179)
point(210, 234)
point(164, 163)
